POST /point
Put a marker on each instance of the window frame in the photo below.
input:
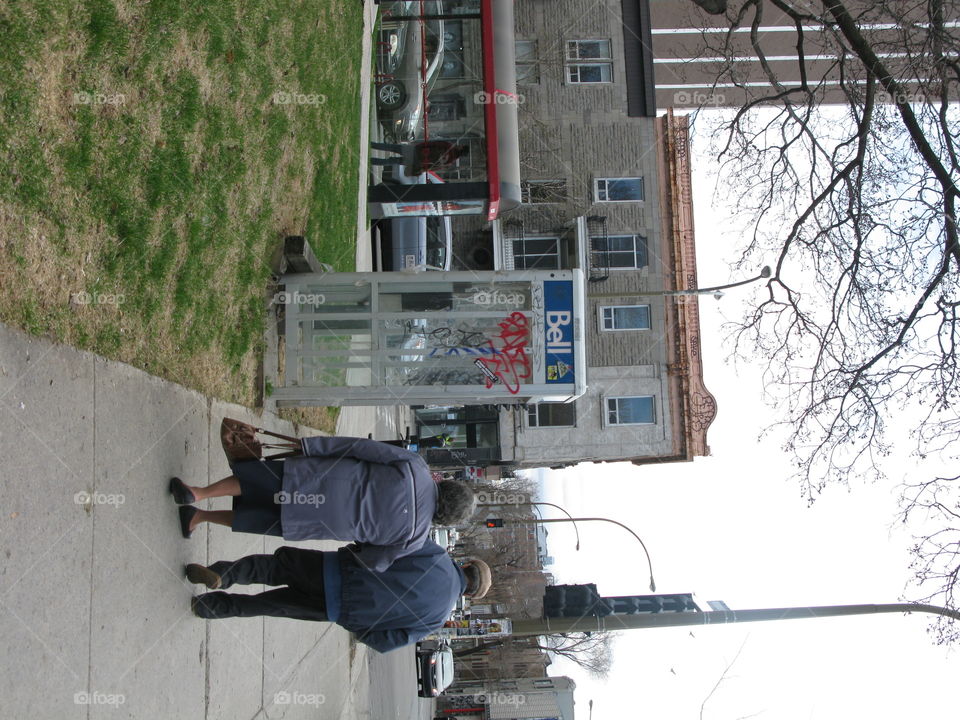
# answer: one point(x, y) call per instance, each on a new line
point(560, 187)
point(576, 60)
point(606, 180)
point(638, 241)
point(529, 238)
point(534, 410)
point(602, 318)
point(530, 61)
point(615, 423)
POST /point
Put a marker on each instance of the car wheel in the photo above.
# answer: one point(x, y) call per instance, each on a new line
point(391, 95)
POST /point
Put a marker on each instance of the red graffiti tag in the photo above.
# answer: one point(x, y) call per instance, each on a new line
point(510, 364)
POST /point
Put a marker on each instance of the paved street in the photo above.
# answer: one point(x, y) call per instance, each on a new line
point(390, 698)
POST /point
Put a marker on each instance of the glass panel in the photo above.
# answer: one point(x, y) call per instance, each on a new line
point(634, 410)
point(592, 73)
point(459, 351)
point(596, 49)
point(457, 297)
point(528, 73)
point(543, 191)
point(526, 51)
point(619, 189)
point(555, 415)
point(636, 317)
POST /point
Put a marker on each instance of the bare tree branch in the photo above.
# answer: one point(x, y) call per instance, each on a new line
point(856, 199)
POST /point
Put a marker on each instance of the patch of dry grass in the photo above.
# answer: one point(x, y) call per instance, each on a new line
point(150, 173)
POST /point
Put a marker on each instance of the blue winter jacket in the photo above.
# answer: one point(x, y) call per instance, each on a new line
point(394, 608)
point(361, 490)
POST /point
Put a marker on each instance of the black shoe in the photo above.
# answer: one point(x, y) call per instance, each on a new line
point(203, 576)
point(199, 608)
point(204, 607)
point(182, 495)
point(186, 515)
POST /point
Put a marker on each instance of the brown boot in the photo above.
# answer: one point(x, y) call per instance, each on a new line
point(203, 576)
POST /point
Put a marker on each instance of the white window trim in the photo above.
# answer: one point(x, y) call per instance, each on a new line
point(596, 189)
point(602, 326)
point(571, 62)
point(575, 42)
point(635, 236)
point(606, 410)
point(555, 238)
point(580, 63)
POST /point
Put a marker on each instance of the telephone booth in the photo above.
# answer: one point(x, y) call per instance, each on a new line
point(453, 338)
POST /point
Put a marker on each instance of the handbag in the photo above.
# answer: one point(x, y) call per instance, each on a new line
point(240, 442)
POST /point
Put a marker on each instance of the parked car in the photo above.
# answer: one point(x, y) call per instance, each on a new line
point(414, 241)
point(441, 536)
point(408, 66)
point(434, 668)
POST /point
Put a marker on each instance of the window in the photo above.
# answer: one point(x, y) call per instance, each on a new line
point(631, 410)
point(625, 317)
point(618, 189)
point(588, 50)
point(551, 415)
point(534, 252)
point(589, 61)
point(622, 251)
point(528, 67)
point(543, 191)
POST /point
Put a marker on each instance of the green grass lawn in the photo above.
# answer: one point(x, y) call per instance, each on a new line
point(153, 157)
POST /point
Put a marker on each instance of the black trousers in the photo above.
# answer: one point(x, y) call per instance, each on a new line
point(301, 571)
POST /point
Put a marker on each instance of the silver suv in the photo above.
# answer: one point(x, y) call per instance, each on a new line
point(408, 66)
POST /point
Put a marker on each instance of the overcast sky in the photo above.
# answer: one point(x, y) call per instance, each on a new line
point(733, 527)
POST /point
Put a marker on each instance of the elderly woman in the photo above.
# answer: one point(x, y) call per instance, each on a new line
point(355, 489)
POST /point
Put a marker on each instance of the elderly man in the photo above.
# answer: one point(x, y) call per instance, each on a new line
point(386, 610)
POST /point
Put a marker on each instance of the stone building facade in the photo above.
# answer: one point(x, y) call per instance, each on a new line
point(606, 188)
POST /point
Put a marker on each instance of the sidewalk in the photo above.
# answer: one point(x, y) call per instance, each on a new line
point(94, 610)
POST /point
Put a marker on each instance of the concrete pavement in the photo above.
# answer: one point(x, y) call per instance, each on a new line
point(94, 611)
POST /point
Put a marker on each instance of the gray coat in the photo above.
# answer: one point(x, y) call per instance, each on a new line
point(360, 490)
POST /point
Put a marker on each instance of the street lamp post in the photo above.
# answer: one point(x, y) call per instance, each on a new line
point(716, 290)
point(572, 519)
point(641, 621)
point(653, 585)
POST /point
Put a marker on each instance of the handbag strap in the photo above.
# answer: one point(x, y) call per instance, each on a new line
point(293, 440)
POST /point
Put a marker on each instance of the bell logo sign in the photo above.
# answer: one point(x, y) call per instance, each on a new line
point(558, 331)
point(557, 322)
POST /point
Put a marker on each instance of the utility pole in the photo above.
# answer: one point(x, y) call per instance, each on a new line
point(638, 621)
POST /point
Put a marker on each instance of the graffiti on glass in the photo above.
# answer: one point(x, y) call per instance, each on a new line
point(510, 364)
